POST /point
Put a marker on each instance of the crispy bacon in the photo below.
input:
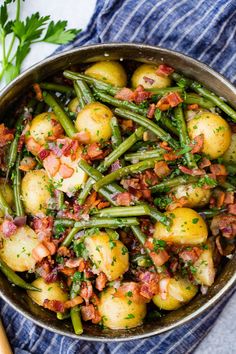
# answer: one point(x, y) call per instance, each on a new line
point(140, 94)
point(177, 203)
point(54, 305)
point(38, 91)
point(43, 154)
point(149, 285)
point(164, 145)
point(194, 172)
point(8, 228)
point(127, 124)
point(151, 110)
point(65, 171)
point(52, 164)
point(190, 255)
point(162, 169)
point(90, 313)
point(218, 170)
point(86, 291)
point(40, 252)
point(232, 209)
point(171, 156)
point(164, 70)
point(193, 107)
point(57, 130)
point(172, 99)
point(160, 257)
point(124, 199)
point(197, 144)
point(131, 288)
point(73, 302)
point(94, 152)
point(125, 94)
point(226, 224)
point(6, 135)
point(101, 281)
point(102, 205)
point(204, 163)
point(43, 227)
point(82, 137)
point(69, 148)
point(27, 163)
point(229, 198)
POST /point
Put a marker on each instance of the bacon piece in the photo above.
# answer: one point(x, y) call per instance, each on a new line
point(232, 209)
point(194, 172)
point(226, 224)
point(164, 145)
point(73, 263)
point(86, 291)
point(82, 137)
point(159, 258)
point(43, 227)
point(193, 107)
point(40, 252)
point(27, 163)
point(131, 288)
point(32, 146)
point(218, 170)
point(94, 152)
point(151, 110)
point(38, 91)
point(148, 80)
point(162, 169)
point(69, 148)
point(125, 94)
point(163, 287)
point(65, 171)
point(177, 203)
point(140, 94)
point(54, 305)
point(171, 156)
point(164, 70)
point(6, 135)
point(101, 281)
point(205, 163)
point(63, 251)
point(229, 198)
point(102, 205)
point(197, 144)
point(172, 99)
point(73, 302)
point(43, 154)
point(190, 255)
point(149, 285)
point(220, 199)
point(57, 130)
point(50, 246)
point(127, 124)
point(124, 199)
point(52, 164)
point(90, 313)
point(8, 228)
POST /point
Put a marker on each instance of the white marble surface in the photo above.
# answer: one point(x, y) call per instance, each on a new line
point(221, 340)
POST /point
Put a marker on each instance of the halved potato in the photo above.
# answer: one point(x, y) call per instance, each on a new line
point(110, 72)
point(196, 197)
point(44, 127)
point(204, 268)
point(230, 154)
point(17, 249)
point(145, 71)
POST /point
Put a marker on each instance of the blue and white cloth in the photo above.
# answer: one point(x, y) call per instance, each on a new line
point(203, 29)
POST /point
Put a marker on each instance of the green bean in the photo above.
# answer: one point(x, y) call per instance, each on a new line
point(64, 222)
point(144, 155)
point(212, 212)
point(63, 315)
point(116, 138)
point(142, 261)
point(148, 124)
point(62, 117)
point(86, 92)
point(79, 95)
point(111, 223)
point(117, 212)
point(140, 145)
point(206, 94)
point(108, 161)
point(101, 96)
point(12, 155)
point(166, 123)
point(75, 311)
point(17, 189)
point(193, 99)
point(61, 200)
point(57, 87)
point(165, 90)
point(100, 85)
point(174, 182)
point(4, 205)
point(14, 278)
point(183, 135)
point(131, 169)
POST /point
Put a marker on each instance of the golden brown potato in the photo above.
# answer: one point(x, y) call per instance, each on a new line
point(8, 195)
point(17, 249)
point(196, 197)
point(120, 312)
point(230, 154)
point(74, 105)
point(95, 118)
point(45, 127)
point(109, 256)
point(110, 72)
point(204, 267)
point(51, 291)
point(149, 71)
point(35, 191)
point(216, 132)
point(188, 227)
point(180, 291)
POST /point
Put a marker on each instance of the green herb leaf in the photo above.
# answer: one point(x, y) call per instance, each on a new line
point(57, 34)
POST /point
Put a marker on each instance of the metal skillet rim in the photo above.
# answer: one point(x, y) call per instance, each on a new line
point(210, 302)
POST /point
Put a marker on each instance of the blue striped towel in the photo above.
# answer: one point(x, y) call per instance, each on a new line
point(203, 29)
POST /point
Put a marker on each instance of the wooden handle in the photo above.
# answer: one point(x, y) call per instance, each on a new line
point(4, 344)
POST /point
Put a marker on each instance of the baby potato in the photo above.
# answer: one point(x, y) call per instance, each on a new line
point(180, 291)
point(216, 132)
point(17, 249)
point(35, 191)
point(188, 227)
point(149, 71)
point(204, 268)
point(230, 154)
point(73, 105)
point(95, 118)
point(110, 72)
point(51, 291)
point(196, 197)
point(8, 195)
point(120, 312)
point(109, 256)
point(45, 127)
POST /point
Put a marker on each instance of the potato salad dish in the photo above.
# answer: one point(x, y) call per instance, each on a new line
point(117, 192)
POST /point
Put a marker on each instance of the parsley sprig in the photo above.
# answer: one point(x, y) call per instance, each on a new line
point(34, 29)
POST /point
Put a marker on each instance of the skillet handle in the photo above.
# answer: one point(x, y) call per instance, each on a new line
point(4, 344)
